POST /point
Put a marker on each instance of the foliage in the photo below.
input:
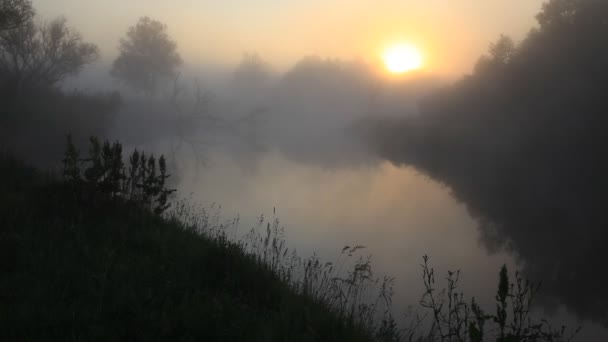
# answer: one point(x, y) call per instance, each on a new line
point(76, 271)
point(252, 71)
point(86, 259)
point(35, 113)
point(347, 287)
point(500, 54)
point(148, 57)
point(454, 319)
point(41, 55)
point(522, 141)
point(103, 176)
point(14, 13)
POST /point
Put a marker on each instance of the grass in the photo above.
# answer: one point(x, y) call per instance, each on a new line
point(86, 259)
point(77, 272)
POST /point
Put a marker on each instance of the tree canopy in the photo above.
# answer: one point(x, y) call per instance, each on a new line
point(148, 57)
point(14, 13)
point(252, 69)
point(43, 54)
point(522, 141)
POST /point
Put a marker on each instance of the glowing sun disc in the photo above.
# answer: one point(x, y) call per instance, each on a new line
point(402, 58)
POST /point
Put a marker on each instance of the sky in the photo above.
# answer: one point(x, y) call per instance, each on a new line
point(451, 34)
point(299, 154)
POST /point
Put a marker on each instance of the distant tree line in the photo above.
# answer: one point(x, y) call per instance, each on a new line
point(522, 141)
point(42, 54)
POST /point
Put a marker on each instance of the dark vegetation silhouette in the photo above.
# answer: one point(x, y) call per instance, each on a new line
point(99, 254)
point(457, 318)
point(103, 177)
point(35, 57)
point(90, 257)
point(522, 141)
point(96, 254)
point(14, 13)
point(148, 59)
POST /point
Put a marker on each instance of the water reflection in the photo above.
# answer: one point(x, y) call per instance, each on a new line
point(397, 213)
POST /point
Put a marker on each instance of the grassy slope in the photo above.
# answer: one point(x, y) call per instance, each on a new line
point(69, 272)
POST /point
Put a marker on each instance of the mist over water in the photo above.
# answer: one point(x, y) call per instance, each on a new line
point(505, 165)
point(292, 144)
point(397, 213)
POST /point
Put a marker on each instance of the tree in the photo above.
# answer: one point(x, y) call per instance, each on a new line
point(14, 13)
point(103, 177)
point(34, 54)
point(148, 57)
point(500, 54)
point(504, 139)
point(558, 12)
point(251, 82)
point(252, 70)
point(503, 50)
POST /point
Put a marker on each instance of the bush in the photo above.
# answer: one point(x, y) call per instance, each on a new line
point(103, 177)
point(456, 320)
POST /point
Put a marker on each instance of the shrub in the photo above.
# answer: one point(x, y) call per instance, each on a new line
point(103, 177)
point(456, 320)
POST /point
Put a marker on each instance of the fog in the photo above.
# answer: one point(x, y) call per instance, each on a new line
point(483, 157)
point(213, 33)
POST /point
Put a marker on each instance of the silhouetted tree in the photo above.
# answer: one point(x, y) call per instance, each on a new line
point(14, 13)
point(558, 12)
point(252, 69)
point(522, 141)
point(500, 54)
point(42, 54)
point(251, 83)
point(148, 57)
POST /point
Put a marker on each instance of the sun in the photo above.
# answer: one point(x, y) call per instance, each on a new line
point(402, 58)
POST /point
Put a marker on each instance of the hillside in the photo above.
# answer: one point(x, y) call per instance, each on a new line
point(114, 271)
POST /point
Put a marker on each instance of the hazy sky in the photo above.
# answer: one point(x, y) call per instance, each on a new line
point(451, 33)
